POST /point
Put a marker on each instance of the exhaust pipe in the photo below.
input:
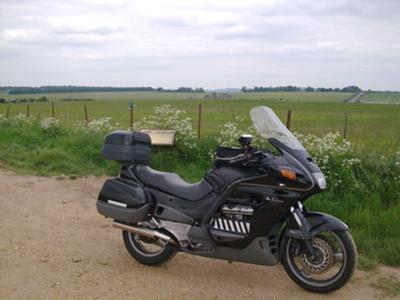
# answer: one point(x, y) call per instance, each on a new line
point(149, 233)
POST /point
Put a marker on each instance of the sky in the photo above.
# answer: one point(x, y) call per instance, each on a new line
point(210, 44)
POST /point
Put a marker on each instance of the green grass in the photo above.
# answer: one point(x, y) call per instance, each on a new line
point(366, 263)
point(382, 98)
point(373, 125)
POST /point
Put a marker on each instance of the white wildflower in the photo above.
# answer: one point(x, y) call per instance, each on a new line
point(168, 117)
point(48, 123)
point(349, 162)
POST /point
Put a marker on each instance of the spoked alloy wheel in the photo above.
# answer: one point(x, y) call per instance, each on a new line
point(147, 251)
point(330, 267)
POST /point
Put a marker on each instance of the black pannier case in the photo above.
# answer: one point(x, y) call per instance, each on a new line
point(123, 201)
point(126, 146)
point(123, 191)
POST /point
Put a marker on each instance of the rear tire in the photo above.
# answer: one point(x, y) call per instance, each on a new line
point(135, 247)
point(349, 260)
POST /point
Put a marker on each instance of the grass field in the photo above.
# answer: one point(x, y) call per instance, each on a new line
point(374, 126)
point(281, 96)
point(382, 98)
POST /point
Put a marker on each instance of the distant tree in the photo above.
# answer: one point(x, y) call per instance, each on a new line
point(351, 89)
point(2, 100)
point(309, 89)
point(244, 89)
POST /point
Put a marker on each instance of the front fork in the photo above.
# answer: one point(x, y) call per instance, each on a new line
point(303, 227)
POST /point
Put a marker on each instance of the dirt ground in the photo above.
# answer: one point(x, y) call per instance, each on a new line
point(54, 245)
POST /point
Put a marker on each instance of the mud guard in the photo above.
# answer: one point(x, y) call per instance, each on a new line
point(312, 224)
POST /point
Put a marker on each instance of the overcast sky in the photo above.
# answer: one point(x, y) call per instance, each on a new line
point(212, 43)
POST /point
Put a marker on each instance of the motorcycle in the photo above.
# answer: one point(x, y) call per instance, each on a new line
point(248, 208)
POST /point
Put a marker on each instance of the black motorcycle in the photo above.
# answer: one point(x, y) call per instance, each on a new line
point(248, 208)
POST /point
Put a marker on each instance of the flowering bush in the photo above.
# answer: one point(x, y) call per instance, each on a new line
point(49, 123)
point(333, 154)
point(102, 125)
point(168, 117)
point(397, 164)
point(19, 120)
point(229, 134)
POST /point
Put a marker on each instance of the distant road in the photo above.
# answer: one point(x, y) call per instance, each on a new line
point(356, 97)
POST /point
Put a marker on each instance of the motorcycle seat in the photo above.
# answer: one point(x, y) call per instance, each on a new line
point(172, 184)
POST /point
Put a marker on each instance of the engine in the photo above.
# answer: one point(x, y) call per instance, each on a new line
point(233, 218)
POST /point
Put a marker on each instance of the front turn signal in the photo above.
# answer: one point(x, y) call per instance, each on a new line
point(289, 174)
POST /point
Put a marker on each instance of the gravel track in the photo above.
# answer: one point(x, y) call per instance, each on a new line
point(54, 245)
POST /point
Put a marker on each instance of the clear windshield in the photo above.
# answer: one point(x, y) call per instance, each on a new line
point(269, 126)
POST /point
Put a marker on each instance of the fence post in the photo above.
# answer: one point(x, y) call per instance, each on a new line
point(131, 117)
point(199, 122)
point(8, 112)
point(27, 111)
point(288, 119)
point(345, 126)
point(86, 115)
point(52, 109)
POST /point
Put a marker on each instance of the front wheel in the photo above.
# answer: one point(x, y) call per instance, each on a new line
point(329, 268)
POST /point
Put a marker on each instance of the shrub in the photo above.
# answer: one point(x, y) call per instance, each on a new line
point(168, 117)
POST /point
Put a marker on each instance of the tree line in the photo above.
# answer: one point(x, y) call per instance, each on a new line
point(24, 100)
point(292, 88)
point(17, 90)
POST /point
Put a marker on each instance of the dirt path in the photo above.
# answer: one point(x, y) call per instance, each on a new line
point(53, 244)
point(356, 98)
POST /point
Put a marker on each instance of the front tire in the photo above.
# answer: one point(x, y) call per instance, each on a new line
point(329, 269)
point(146, 251)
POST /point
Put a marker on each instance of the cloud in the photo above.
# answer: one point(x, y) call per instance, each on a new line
point(200, 43)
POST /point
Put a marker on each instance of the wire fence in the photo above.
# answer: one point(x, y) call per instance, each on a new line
point(204, 121)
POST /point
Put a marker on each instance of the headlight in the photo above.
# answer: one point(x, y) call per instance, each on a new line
point(320, 179)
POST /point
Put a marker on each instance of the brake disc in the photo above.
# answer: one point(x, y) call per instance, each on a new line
point(324, 259)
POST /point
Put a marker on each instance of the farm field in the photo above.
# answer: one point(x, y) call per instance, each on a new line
point(382, 98)
point(282, 96)
point(373, 126)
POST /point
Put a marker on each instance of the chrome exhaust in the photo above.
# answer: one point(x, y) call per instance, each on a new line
point(149, 233)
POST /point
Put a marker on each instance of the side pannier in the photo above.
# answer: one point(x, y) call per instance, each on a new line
point(122, 200)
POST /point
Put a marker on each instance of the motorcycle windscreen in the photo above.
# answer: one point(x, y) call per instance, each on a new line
point(269, 126)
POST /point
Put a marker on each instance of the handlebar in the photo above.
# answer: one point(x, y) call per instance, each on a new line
point(247, 158)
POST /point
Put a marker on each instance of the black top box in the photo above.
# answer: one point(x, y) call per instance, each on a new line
point(126, 146)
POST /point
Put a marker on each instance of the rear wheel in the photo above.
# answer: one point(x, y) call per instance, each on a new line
point(147, 251)
point(331, 266)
